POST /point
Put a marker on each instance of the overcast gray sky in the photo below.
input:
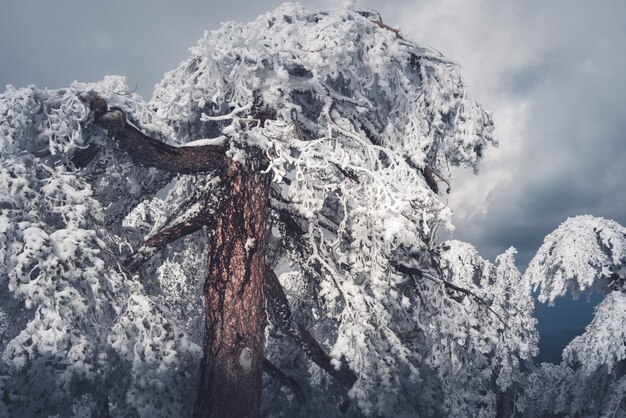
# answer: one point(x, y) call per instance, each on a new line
point(552, 73)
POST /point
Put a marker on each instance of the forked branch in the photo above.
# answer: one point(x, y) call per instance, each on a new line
point(175, 230)
point(277, 302)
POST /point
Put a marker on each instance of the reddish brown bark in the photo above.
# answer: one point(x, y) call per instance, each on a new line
point(147, 151)
point(232, 366)
point(230, 381)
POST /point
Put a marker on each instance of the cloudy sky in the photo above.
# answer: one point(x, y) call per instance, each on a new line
point(551, 72)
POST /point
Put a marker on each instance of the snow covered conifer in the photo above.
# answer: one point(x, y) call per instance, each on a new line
point(303, 155)
point(585, 254)
point(498, 330)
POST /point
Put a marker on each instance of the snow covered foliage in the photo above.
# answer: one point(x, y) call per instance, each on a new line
point(498, 337)
point(357, 125)
point(348, 82)
point(591, 380)
point(604, 342)
point(349, 114)
point(560, 390)
point(584, 254)
point(79, 335)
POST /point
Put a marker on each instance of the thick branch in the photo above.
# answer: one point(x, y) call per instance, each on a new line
point(383, 25)
point(428, 175)
point(442, 178)
point(277, 301)
point(162, 238)
point(286, 214)
point(82, 157)
point(188, 218)
point(430, 179)
point(347, 172)
point(140, 257)
point(284, 380)
point(150, 152)
point(203, 217)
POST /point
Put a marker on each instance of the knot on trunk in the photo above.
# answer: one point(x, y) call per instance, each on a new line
point(113, 120)
point(245, 360)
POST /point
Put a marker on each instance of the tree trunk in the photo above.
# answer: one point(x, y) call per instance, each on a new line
point(230, 380)
point(232, 366)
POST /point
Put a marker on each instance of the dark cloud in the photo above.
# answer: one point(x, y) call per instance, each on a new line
point(552, 73)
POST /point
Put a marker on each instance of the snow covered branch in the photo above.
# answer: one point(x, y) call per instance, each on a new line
point(278, 303)
point(414, 271)
point(150, 152)
point(197, 216)
point(584, 254)
point(355, 124)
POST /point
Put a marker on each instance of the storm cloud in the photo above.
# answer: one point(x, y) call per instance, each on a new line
point(552, 74)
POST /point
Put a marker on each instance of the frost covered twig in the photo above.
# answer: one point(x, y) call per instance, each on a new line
point(127, 92)
point(414, 271)
point(323, 48)
point(383, 25)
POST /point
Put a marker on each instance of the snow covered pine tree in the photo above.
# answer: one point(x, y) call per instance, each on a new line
point(584, 255)
point(301, 155)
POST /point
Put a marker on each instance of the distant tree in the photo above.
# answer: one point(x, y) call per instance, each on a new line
point(585, 254)
point(501, 330)
point(273, 208)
